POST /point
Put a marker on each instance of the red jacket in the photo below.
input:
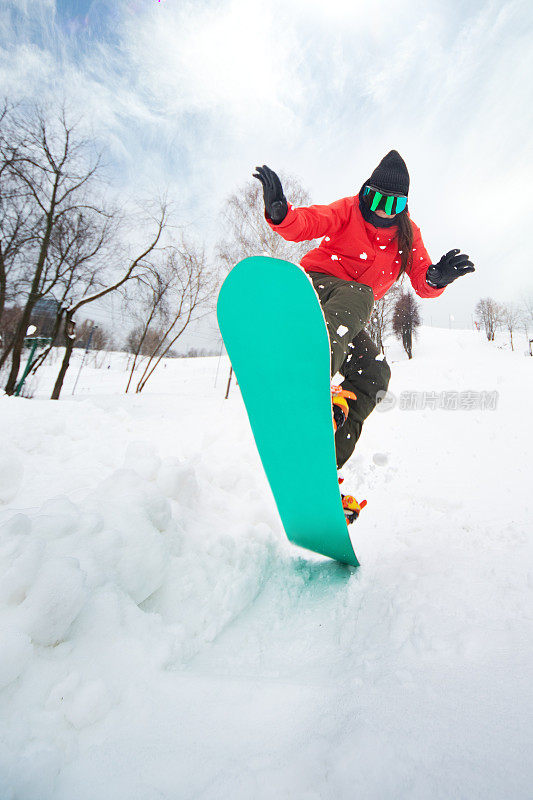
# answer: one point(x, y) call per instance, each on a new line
point(354, 249)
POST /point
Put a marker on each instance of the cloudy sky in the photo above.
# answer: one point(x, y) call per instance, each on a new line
point(190, 96)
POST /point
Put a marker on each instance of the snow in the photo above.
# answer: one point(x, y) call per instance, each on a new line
point(11, 471)
point(161, 638)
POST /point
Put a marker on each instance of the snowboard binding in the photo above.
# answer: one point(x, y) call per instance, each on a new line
point(352, 508)
point(339, 399)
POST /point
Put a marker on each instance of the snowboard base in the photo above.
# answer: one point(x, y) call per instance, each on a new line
point(276, 337)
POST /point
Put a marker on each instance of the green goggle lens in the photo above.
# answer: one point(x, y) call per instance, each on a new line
point(376, 201)
point(389, 203)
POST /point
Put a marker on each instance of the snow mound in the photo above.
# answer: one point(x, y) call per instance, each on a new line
point(161, 639)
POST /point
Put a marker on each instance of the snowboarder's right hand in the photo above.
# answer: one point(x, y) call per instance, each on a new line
point(275, 201)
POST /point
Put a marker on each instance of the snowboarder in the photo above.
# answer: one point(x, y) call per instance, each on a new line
point(369, 242)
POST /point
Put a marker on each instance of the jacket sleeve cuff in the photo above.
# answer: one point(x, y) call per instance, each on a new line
point(285, 222)
point(429, 290)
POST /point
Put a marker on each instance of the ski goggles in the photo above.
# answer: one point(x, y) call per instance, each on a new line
point(389, 203)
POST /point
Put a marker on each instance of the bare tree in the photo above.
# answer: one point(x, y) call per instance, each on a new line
point(79, 257)
point(406, 320)
point(15, 210)
point(526, 319)
point(151, 309)
point(248, 233)
point(527, 314)
point(54, 169)
point(489, 314)
point(380, 322)
point(510, 314)
point(8, 322)
point(142, 342)
point(527, 307)
point(15, 235)
point(101, 339)
point(135, 265)
point(178, 292)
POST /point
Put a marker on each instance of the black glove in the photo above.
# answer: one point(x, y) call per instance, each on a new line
point(275, 201)
point(450, 267)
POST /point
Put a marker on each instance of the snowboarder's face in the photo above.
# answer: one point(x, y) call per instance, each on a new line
point(383, 214)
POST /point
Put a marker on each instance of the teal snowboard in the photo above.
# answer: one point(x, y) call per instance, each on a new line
point(276, 337)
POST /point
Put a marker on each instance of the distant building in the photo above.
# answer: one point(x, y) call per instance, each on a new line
point(44, 316)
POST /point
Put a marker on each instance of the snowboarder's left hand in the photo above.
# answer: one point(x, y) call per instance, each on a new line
point(450, 267)
point(275, 201)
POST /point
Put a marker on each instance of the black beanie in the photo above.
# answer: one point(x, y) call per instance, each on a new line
point(391, 174)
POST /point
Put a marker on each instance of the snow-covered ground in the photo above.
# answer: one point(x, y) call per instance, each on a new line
point(161, 639)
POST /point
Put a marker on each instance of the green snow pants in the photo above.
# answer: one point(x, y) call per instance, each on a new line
point(347, 307)
point(365, 370)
